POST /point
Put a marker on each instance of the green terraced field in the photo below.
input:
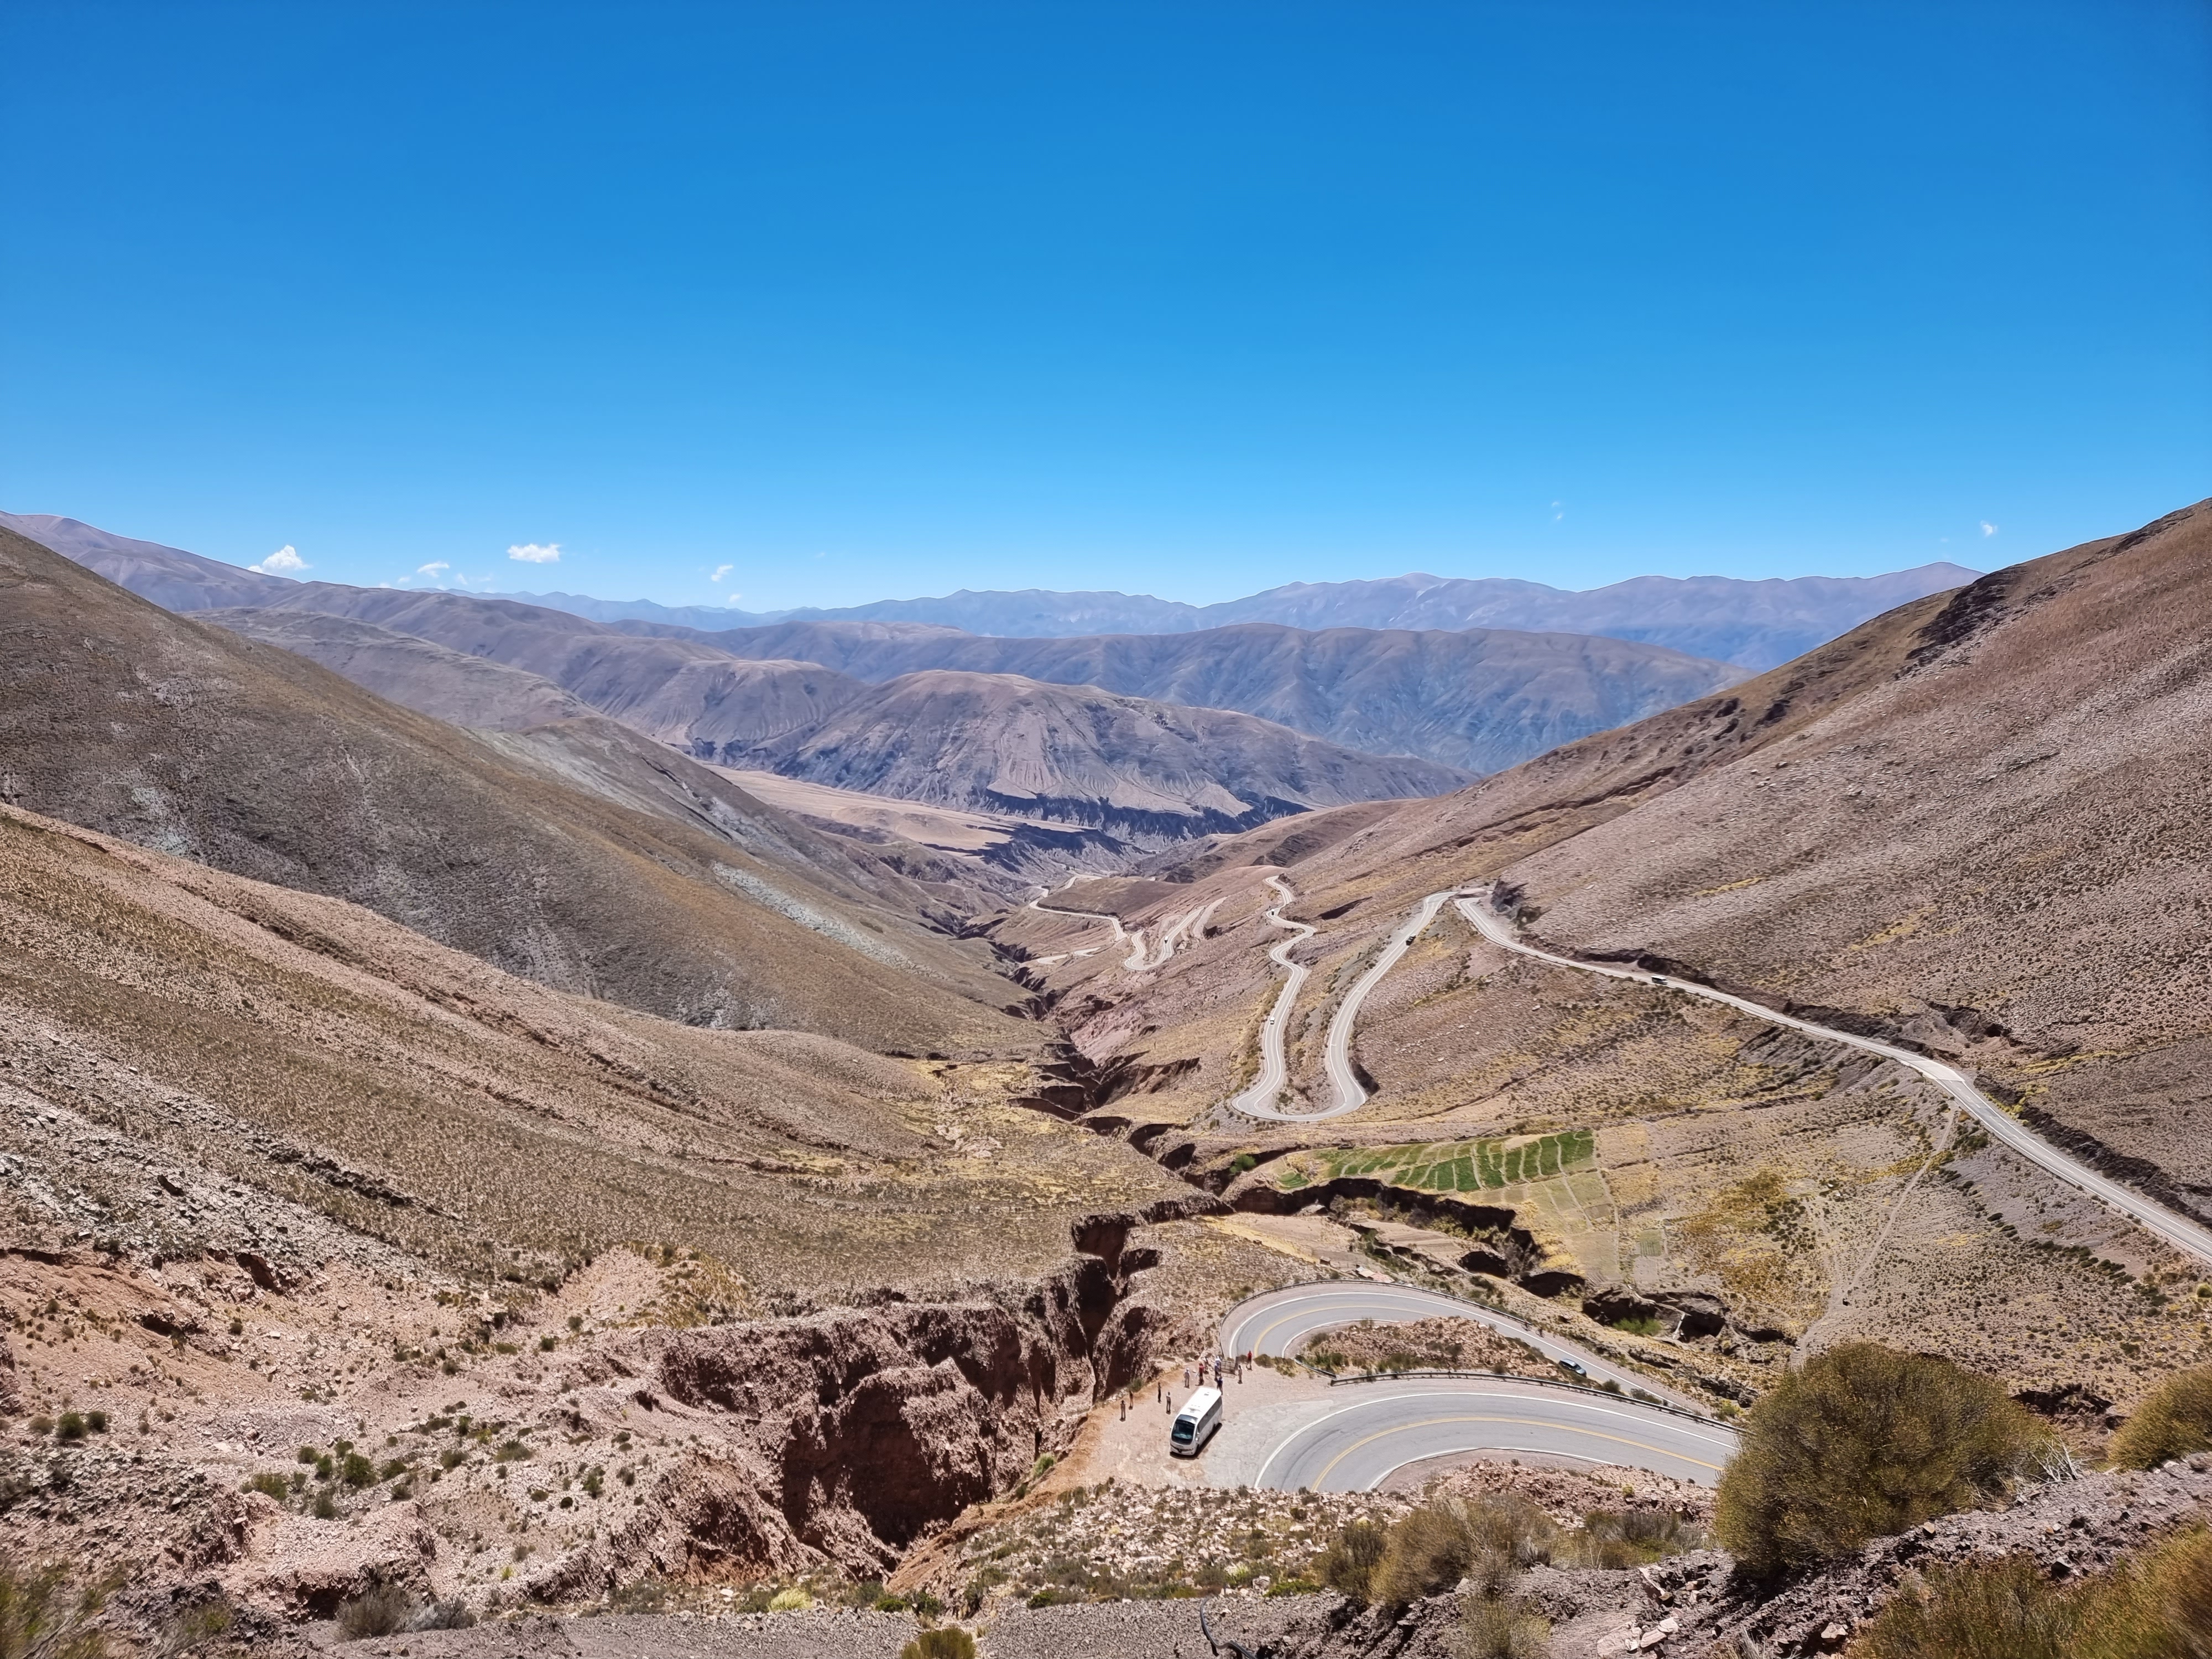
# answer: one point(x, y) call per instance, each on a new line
point(1466, 1166)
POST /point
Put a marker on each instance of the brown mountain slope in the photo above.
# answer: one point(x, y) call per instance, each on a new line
point(118, 715)
point(1976, 824)
point(530, 720)
point(167, 575)
point(417, 673)
point(173, 1012)
point(1140, 769)
point(1482, 699)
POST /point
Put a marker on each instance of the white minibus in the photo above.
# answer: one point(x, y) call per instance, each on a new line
point(1195, 1424)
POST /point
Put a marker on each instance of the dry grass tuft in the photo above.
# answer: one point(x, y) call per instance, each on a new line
point(2175, 1420)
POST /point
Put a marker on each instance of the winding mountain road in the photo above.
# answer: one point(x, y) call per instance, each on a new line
point(1259, 1100)
point(2152, 1217)
point(1353, 1437)
point(1347, 1092)
point(1281, 1322)
point(1186, 928)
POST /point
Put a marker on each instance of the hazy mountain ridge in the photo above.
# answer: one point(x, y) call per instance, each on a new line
point(1754, 624)
point(1478, 699)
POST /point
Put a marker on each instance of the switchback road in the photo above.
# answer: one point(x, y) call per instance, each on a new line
point(1281, 1322)
point(1259, 1100)
point(2183, 1234)
point(1352, 1436)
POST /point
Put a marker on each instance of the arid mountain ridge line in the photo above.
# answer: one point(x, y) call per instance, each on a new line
point(1477, 700)
point(1751, 624)
point(1754, 624)
point(1482, 699)
point(1143, 771)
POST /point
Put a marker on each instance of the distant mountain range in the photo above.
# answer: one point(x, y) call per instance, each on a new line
point(1145, 772)
point(1754, 624)
point(1433, 704)
point(1480, 698)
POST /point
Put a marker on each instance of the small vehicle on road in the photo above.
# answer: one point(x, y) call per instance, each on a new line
point(1195, 1424)
point(1575, 1366)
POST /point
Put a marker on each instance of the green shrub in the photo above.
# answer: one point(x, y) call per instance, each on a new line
point(2173, 1422)
point(1347, 1565)
point(327, 1507)
point(274, 1485)
point(1861, 1444)
point(357, 1471)
point(71, 1427)
point(945, 1641)
point(924, 1604)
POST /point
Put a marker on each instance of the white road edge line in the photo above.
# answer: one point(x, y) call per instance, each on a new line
point(1481, 1391)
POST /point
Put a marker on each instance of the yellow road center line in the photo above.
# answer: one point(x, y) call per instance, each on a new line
point(1520, 1422)
point(1305, 1308)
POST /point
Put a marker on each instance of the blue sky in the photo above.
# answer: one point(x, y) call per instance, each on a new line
point(875, 300)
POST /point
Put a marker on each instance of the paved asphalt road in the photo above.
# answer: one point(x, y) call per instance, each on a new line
point(1259, 1100)
point(1281, 1322)
point(2181, 1233)
point(1353, 1435)
point(1348, 1096)
point(1368, 1431)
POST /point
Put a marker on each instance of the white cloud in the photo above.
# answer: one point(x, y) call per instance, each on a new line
point(1988, 529)
point(532, 553)
point(432, 568)
point(720, 571)
point(283, 560)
